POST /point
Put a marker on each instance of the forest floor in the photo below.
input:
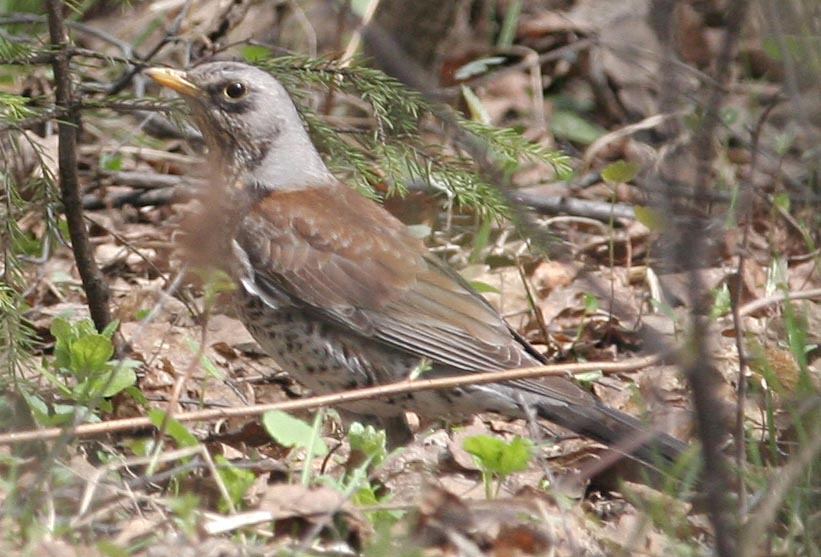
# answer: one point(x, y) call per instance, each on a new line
point(614, 292)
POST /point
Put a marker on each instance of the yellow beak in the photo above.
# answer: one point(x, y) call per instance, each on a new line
point(174, 79)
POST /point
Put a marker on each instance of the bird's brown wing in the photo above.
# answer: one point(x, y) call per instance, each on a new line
point(347, 259)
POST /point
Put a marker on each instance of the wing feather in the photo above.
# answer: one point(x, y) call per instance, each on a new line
point(368, 274)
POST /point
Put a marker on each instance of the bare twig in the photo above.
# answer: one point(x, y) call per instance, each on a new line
point(93, 283)
point(603, 211)
point(741, 390)
point(400, 387)
point(755, 305)
point(139, 198)
point(697, 365)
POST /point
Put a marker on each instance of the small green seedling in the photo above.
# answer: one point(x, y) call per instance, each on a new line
point(236, 480)
point(83, 371)
point(369, 441)
point(498, 459)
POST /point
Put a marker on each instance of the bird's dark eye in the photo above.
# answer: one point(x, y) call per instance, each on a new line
point(235, 90)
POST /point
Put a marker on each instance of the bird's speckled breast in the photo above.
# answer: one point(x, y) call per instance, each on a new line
point(322, 358)
point(327, 360)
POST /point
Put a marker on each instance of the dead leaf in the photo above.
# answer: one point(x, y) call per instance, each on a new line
point(550, 275)
point(455, 444)
point(291, 505)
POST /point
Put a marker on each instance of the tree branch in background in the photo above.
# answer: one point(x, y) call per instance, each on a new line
point(93, 283)
point(697, 363)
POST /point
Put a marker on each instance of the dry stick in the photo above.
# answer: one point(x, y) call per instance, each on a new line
point(741, 390)
point(400, 387)
point(96, 290)
point(755, 305)
point(93, 284)
point(697, 365)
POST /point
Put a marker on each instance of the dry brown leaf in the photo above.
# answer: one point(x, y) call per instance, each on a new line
point(463, 458)
point(291, 505)
point(550, 275)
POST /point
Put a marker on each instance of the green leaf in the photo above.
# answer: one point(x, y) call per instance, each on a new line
point(216, 282)
point(369, 441)
point(111, 328)
point(62, 226)
point(254, 53)
point(516, 456)
point(141, 314)
point(369, 497)
point(63, 332)
point(137, 395)
point(292, 432)
point(484, 288)
point(365, 497)
point(90, 353)
point(729, 116)
point(495, 456)
point(650, 218)
point(122, 376)
point(510, 24)
point(85, 327)
point(185, 505)
point(784, 141)
point(57, 381)
point(237, 481)
point(208, 366)
point(620, 172)
point(591, 304)
point(140, 446)
point(722, 302)
point(568, 125)
point(423, 367)
point(38, 407)
point(782, 201)
point(481, 240)
point(173, 428)
point(111, 162)
point(109, 549)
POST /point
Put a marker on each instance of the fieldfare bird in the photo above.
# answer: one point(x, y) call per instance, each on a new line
point(339, 292)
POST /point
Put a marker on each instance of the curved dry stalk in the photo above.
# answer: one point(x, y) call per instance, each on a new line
point(400, 387)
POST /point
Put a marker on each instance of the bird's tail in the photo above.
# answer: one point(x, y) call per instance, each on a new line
point(617, 430)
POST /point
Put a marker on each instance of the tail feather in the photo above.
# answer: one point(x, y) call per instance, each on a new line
point(618, 430)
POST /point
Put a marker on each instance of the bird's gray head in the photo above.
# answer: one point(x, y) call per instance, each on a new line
point(249, 123)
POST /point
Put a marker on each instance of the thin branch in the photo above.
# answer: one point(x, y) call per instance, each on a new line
point(755, 305)
point(746, 209)
point(93, 283)
point(381, 391)
point(697, 365)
